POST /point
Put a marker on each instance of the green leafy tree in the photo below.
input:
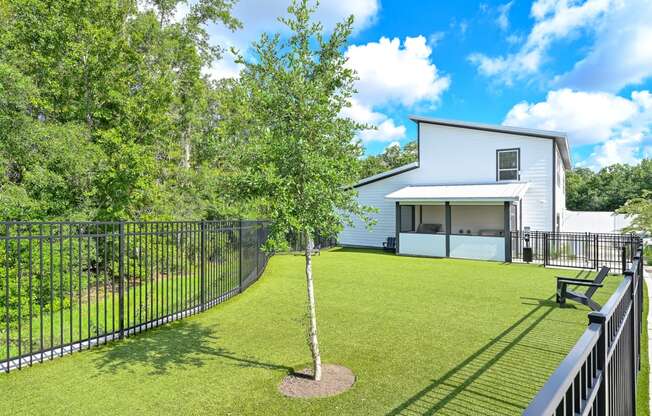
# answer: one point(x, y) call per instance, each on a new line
point(609, 188)
point(392, 157)
point(127, 82)
point(640, 211)
point(292, 148)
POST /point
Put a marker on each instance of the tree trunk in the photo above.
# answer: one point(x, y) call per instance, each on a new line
point(186, 149)
point(314, 344)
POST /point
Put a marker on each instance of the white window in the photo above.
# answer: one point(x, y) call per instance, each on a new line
point(508, 164)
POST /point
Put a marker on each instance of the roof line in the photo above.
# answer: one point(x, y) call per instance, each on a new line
point(490, 127)
point(387, 174)
point(559, 137)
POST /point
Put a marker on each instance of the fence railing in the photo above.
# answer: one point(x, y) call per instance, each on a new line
point(298, 242)
point(66, 286)
point(598, 376)
point(582, 250)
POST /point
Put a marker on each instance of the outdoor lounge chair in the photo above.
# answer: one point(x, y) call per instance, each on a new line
point(584, 298)
point(390, 244)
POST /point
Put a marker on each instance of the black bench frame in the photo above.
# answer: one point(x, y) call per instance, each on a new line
point(390, 244)
point(584, 298)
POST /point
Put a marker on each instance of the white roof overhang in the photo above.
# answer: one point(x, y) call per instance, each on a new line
point(492, 192)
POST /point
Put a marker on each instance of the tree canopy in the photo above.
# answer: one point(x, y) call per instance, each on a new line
point(286, 142)
point(105, 112)
point(609, 188)
point(392, 157)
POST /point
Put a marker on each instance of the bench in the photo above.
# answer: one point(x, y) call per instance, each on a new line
point(584, 298)
point(390, 244)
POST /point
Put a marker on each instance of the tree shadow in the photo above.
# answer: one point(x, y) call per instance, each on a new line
point(503, 375)
point(378, 251)
point(181, 345)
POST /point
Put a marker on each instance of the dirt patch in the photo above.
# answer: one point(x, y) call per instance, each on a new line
point(335, 380)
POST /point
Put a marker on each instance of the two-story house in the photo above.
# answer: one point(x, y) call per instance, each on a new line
point(471, 185)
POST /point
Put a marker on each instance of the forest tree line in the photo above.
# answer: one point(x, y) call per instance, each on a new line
point(106, 112)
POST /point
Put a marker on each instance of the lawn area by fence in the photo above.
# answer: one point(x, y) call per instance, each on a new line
point(599, 376)
point(578, 250)
point(423, 336)
point(66, 286)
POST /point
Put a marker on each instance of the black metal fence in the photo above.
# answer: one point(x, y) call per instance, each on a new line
point(598, 377)
point(582, 250)
point(298, 242)
point(66, 286)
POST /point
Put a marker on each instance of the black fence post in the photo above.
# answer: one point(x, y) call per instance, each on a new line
point(623, 258)
point(240, 256)
point(202, 259)
point(121, 277)
point(546, 260)
point(257, 249)
point(632, 327)
point(602, 397)
point(597, 252)
point(641, 280)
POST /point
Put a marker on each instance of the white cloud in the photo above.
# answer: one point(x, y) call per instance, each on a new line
point(619, 127)
point(503, 15)
point(435, 38)
point(386, 130)
point(621, 54)
point(392, 73)
point(258, 17)
point(554, 20)
point(586, 117)
point(513, 39)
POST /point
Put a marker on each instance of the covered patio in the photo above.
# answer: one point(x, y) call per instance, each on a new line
point(470, 221)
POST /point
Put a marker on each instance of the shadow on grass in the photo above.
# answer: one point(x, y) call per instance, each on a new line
point(378, 251)
point(502, 376)
point(182, 345)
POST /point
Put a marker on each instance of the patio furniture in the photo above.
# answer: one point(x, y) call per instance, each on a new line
point(491, 232)
point(428, 228)
point(584, 298)
point(390, 244)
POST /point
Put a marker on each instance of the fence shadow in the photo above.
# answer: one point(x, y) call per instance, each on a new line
point(503, 375)
point(183, 344)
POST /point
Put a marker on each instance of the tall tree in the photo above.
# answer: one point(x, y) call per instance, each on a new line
point(126, 78)
point(291, 146)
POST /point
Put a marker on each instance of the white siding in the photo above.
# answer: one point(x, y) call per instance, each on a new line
point(560, 189)
point(451, 155)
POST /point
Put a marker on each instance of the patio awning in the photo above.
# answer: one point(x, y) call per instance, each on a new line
point(492, 192)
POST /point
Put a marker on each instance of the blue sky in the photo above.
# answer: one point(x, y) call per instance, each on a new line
point(583, 67)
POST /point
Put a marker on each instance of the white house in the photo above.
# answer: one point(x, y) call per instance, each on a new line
point(471, 185)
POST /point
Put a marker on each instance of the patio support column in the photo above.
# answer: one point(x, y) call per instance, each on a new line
point(447, 208)
point(398, 224)
point(507, 233)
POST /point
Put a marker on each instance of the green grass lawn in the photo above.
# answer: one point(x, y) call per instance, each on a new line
point(423, 336)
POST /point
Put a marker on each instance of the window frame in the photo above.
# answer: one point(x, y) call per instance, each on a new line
point(518, 164)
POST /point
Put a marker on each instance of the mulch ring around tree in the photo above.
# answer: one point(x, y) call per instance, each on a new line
point(335, 379)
